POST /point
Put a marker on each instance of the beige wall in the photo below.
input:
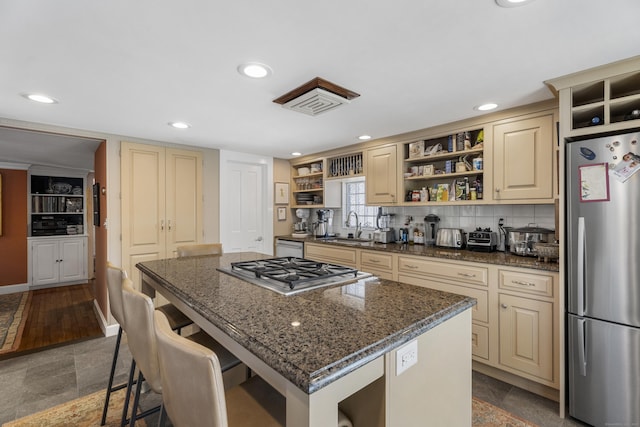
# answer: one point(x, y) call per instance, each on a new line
point(282, 173)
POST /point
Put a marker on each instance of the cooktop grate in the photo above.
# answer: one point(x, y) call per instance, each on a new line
point(293, 271)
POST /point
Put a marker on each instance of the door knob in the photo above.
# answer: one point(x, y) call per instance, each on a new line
point(504, 306)
point(259, 239)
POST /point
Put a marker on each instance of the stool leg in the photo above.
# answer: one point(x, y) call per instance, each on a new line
point(125, 409)
point(136, 400)
point(111, 375)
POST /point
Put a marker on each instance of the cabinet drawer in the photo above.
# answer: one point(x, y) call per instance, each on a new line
point(333, 254)
point(382, 274)
point(538, 284)
point(479, 312)
point(458, 272)
point(376, 260)
point(480, 341)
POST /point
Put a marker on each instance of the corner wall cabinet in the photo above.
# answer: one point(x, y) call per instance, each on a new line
point(58, 260)
point(161, 202)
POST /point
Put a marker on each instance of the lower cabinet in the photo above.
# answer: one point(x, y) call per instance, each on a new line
point(526, 335)
point(331, 254)
point(58, 260)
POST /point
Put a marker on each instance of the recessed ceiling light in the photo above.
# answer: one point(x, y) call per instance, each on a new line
point(364, 137)
point(295, 153)
point(486, 107)
point(254, 70)
point(38, 97)
point(512, 3)
point(180, 125)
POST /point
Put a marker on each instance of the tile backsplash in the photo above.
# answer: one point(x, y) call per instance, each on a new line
point(468, 217)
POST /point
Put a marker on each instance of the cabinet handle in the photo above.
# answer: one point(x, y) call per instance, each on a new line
point(519, 282)
point(411, 266)
point(504, 306)
point(466, 275)
point(162, 225)
point(169, 225)
point(373, 260)
point(497, 190)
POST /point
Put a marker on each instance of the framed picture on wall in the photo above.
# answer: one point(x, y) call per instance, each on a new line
point(281, 193)
point(282, 214)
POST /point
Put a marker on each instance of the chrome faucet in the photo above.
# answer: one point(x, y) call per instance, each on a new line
point(348, 223)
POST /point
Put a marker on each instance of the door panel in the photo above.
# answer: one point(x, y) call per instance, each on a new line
point(604, 368)
point(184, 199)
point(143, 202)
point(245, 199)
point(45, 265)
point(73, 262)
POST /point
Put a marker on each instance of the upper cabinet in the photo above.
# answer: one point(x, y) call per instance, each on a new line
point(57, 204)
point(382, 175)
point(601, 99)
point(523, 159)
point(445, 169)
point(308, 184)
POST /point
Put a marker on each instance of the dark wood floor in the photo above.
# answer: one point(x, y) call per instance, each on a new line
point(58, 316)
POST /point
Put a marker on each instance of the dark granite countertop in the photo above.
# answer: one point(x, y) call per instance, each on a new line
point(340, 327)
point(499, 258)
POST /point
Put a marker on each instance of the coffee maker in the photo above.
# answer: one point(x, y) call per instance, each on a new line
point(324, 226)
point(430, 229)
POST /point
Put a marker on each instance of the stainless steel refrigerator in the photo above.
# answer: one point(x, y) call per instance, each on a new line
point(603, 252)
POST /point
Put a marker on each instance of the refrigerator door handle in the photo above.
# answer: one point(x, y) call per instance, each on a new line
point(582, 348)
point(581, 265)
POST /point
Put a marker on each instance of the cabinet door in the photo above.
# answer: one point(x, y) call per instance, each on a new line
point(523, 159)
point(183, 199)
point(143, 202)
point(526, 335)
point(73, 264)
point(381, 175)
point(45, 262)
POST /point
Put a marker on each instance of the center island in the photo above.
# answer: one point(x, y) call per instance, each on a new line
point(386, 353)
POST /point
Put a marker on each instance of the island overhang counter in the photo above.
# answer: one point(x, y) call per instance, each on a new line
point(341, 344)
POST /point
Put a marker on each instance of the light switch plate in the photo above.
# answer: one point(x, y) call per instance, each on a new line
point(406, 356)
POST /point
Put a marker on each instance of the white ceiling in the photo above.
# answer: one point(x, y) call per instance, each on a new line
point(130, 67)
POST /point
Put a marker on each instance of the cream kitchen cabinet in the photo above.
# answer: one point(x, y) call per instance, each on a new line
point(60, 260)
point(161, 202)
point(381, 172)
point(458, 278)
point(523, 160)
point(528, 324)
point(331, 254)
point(380, 264)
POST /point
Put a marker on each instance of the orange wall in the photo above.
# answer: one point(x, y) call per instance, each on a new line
point(100, 165)
point(13, 242)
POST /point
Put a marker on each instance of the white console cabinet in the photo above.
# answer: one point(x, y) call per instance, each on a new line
point(59, 260)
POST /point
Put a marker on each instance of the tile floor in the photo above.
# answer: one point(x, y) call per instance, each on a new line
point(37, 381)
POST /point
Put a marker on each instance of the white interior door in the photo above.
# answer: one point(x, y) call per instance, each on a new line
point(246, 214)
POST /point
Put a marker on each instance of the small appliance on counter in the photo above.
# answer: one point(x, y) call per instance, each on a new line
point(430, 229)
point(482, 240)
point(383, 233)
point(451, 238)
point(324, 226)
point(300, 227)
point(523, 239)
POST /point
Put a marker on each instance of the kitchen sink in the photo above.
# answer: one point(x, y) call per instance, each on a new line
point(351, 242)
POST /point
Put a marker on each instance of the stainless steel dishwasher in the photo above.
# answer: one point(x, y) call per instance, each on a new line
point(289, 248)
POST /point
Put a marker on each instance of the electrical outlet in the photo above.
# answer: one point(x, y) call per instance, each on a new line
point(406, 357)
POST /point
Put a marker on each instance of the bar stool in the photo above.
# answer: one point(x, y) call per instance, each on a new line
point(139, 326)
point(177, 320)
point(191, 378)
point(200, 249)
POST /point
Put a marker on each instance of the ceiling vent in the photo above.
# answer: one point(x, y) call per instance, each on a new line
point(315, 97)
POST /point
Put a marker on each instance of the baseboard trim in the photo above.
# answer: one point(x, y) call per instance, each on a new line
point(107, 330)
point(12, 289)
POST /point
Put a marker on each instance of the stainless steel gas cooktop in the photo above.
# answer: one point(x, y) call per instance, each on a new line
point(291, 275)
